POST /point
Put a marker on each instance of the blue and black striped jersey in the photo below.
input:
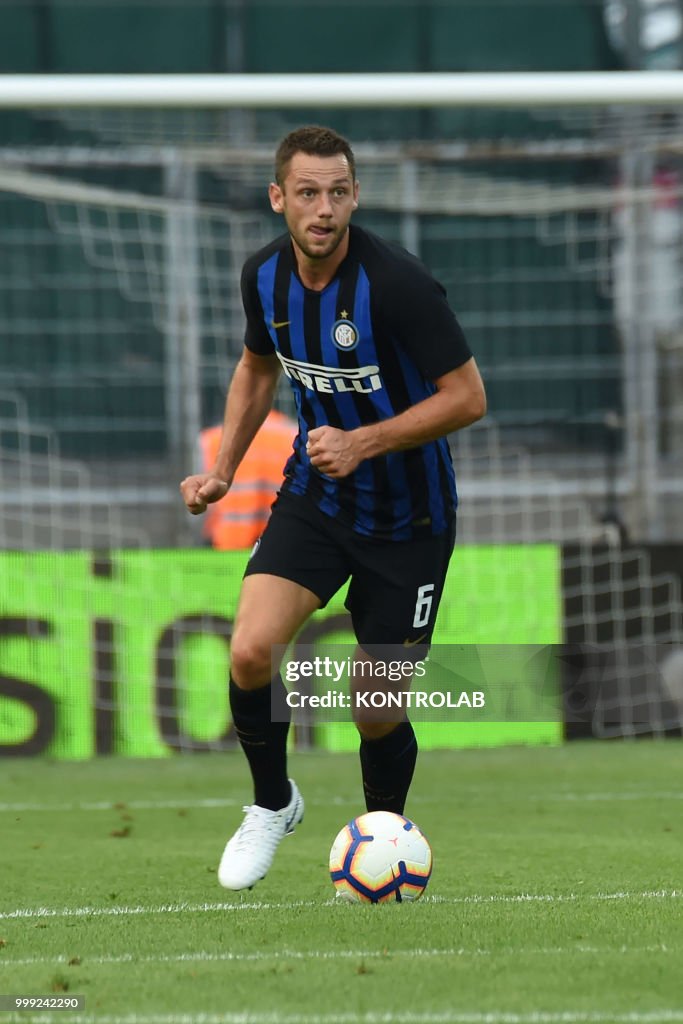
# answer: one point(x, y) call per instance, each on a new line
point(365, 348)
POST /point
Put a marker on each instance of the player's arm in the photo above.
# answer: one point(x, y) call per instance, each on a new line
point(459, 400)
point(249, 399)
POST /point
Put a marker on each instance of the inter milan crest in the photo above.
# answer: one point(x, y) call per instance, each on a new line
point(345, 335)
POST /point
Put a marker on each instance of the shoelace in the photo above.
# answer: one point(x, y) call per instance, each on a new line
point(252, 823)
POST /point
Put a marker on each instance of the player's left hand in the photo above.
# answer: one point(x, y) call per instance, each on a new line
point(334, 452)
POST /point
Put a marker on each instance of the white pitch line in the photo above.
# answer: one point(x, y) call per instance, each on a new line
point(572, 897)
point(199, 908)
point(210, 803)
point(662, 1016)
point(151, 805)
point(128, 805)
point(129, 959)
point(164, 908)
point(610, 797)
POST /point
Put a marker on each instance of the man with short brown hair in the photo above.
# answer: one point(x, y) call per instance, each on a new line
point(381, 374)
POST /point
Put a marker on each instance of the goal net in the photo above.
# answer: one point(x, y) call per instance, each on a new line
point(550, 208)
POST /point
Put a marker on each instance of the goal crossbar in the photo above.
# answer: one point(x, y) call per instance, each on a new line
point(465, 89)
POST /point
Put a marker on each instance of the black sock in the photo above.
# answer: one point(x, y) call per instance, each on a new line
point(263, 740)
point(387, 765)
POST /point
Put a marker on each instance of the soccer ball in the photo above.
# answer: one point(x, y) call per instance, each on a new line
point(380, 857)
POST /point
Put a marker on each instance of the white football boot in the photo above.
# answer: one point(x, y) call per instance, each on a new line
point(249, 854)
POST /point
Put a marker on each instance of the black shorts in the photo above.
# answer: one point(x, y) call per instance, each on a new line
point(395, 587)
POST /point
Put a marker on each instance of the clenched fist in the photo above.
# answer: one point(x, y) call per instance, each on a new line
point(201, 490)
point(334, 452)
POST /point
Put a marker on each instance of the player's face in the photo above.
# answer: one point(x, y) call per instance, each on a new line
point(317, 198)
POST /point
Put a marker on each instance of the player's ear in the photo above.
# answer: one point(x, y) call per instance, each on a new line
point(356, 192)
point(276, 197)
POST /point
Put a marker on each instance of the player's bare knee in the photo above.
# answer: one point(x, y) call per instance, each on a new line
point(250, 663)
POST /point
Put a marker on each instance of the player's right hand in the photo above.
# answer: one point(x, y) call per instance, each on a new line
point(201, 490)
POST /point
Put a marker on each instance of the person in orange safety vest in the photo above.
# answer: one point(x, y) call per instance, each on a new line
point(238, 519)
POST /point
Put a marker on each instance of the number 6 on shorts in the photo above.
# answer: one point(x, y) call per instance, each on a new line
point(423, 605)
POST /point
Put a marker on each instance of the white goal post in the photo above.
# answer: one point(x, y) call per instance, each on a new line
point(429, 89)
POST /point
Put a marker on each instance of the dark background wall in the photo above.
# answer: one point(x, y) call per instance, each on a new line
point(203, 35)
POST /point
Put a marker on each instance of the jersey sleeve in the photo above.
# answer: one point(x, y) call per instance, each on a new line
point(256, 336)
point(424, 324)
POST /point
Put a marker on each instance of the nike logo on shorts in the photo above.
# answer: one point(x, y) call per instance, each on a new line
point(414, 643)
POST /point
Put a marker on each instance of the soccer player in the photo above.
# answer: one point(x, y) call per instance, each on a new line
point(381, 373)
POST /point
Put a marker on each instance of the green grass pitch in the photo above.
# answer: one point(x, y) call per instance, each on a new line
point(556, 898)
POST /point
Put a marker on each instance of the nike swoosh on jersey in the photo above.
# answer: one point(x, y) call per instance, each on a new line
point(280, 323)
